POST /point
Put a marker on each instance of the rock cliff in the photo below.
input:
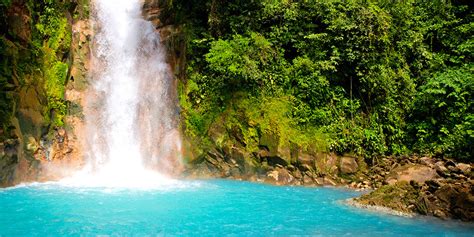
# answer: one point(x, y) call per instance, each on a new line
point(44, 53)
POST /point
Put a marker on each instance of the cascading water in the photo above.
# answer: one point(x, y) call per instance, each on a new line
point(132, 116)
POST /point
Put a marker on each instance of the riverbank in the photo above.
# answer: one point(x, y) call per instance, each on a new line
point(429, 186)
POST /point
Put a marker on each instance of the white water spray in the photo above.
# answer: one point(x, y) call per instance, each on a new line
point(132, 116)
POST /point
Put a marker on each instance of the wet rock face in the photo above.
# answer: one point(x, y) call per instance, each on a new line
point(81, 59)
point(18, 17)
point(34, 150)
point(279, 176)
point(152, 11)
point(160, 14)
point(8, 159)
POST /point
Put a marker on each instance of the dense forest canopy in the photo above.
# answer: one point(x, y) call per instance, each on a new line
point(370, 78)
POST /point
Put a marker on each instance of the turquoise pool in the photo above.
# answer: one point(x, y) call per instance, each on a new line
point(201, 208)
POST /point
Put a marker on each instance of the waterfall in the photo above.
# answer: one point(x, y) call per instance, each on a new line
point(132, 116)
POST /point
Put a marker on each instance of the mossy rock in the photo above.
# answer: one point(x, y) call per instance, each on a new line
point(217, 132)
point(272, 149)
point(270, 141)
point(399, 196)
point(326, 163)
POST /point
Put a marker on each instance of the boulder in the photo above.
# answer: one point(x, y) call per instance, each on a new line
point(456, 201)
point(304, 167)
point(243, 160)
point(440, 168)
point(348, 165)
point(326, 164)
point(306, 159)
point(396, 196)
point(428, 161)
point(417, 173)
point(454, 169)
point(331, 164)
point(464, 168)
point(297, 174)
point(329, 181)
point(307, 180)
point(440, 214)
point(432, 185)
point(279, 176)
point(319, 181)
point(235, 172)
point(272, 176)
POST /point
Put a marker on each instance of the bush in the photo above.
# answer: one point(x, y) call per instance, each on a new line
point(443, 115)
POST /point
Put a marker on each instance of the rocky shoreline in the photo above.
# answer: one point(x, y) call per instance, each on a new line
point(404, 186)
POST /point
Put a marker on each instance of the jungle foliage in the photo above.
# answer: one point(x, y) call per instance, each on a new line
point(374, 77)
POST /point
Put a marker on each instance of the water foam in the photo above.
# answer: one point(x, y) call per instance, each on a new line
point(110, 177)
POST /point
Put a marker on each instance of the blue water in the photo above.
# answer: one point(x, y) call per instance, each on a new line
point(202, 208)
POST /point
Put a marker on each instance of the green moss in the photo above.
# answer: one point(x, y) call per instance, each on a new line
point(55, 74)
point(245, 120)
point(82, 9)
point(398, 196)
point(272, 115)
point(55, 31)
point(39, 63)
